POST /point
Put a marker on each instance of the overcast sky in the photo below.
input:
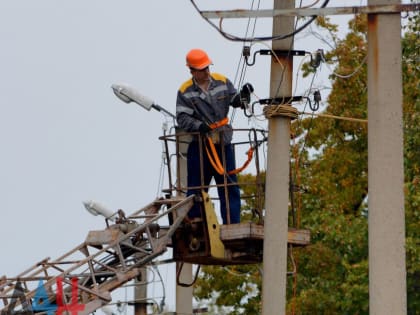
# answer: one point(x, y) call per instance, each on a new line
point(65, 137)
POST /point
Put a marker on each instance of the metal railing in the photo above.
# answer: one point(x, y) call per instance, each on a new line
point(176, 146)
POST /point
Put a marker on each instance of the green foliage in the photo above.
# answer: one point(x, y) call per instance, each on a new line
point(330, 164)
point(411, 93)
point(253, 196)
point(238, 288)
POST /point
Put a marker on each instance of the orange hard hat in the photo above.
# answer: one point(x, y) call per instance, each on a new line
point(198, 59)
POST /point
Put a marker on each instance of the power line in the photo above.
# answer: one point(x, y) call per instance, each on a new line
point(251, 39)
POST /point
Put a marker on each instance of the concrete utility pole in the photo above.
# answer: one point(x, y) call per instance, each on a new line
point(184, 295)
point(387, 270)
point(140, 293)
point(277, 185)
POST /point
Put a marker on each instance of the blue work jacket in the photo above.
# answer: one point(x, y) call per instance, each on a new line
point(194, 106)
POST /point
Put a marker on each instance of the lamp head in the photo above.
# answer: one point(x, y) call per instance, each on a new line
point(128, 94)
point(96, 208)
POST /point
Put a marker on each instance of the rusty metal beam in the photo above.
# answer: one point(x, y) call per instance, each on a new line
point(370, 9)
point(104, 262)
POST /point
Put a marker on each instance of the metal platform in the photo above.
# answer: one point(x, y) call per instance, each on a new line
point(204, 241)
point(236, 234)
point(246, 240)
point(241, 243)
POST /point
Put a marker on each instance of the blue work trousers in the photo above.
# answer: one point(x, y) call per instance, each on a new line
point(194, 179)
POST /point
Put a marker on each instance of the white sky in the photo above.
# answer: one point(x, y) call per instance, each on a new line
point(65, 137)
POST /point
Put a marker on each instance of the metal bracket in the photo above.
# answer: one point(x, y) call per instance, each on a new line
point(282, 53)
point(280, 100)
point(246, 52)
point(370, 9)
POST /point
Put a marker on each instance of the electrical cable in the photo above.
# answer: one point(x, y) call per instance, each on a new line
point(310, 125)
point(252, 115)
point(297, 73)
point(361, 120)
point(297, 160)
point(263, 38)
point(290, 48)
point(310, 5)
point(321, 38)
point(278, 61)
point(347, 76)
point(246, 32)
point(322, 58)
point(162, 164)
point(239, 82)
point(162, 302)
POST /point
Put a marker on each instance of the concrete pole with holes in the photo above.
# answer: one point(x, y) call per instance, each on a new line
point(387, 270)
point(184, 295)
point(277, 177)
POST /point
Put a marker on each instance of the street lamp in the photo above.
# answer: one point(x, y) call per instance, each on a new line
point(128, 94)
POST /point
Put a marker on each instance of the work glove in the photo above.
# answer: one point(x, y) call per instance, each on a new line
point(246, 91)
point(204, 128)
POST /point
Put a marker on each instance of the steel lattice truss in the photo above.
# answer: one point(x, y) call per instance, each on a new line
point(106, 260)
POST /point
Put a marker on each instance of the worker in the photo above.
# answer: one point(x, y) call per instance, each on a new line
point(202, 106)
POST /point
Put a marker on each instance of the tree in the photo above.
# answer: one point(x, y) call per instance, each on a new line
point(329, 164)
point(332, 276)
point(411, 93)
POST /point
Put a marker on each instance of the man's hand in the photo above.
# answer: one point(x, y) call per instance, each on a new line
point(204, 128)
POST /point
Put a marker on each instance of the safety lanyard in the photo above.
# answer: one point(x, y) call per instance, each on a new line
point(219, 123)
point(215, 160)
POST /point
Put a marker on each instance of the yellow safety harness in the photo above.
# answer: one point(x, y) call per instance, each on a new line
point(214, 157)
